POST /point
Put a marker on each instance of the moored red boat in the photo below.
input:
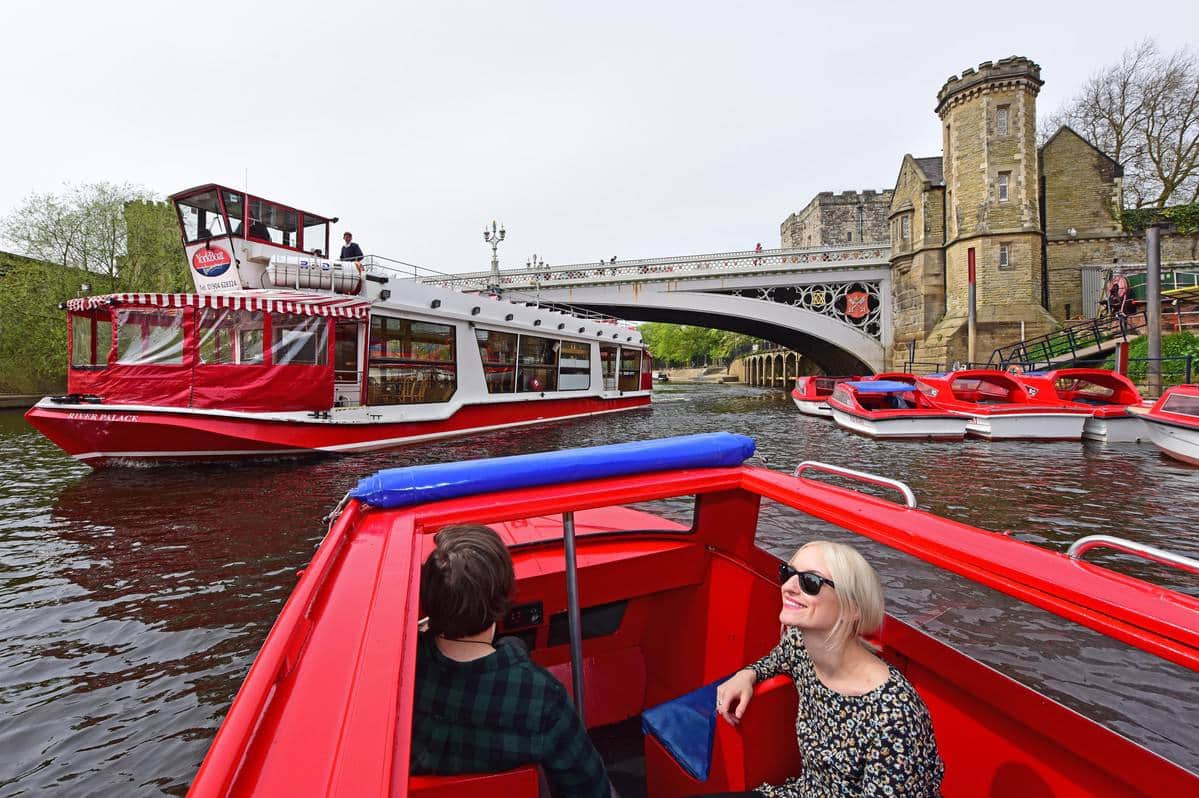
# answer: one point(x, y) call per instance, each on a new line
point(666, 606)
point(1108, 394)
point(1000, 407)
point(811, 394)
point(283, 351)
point(1174, 423)
point(883, 409)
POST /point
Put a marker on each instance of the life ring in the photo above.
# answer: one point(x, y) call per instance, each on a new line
point(1116, 294)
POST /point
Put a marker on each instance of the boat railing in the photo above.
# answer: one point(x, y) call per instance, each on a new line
point(909, 497)
point(1081, 546)
point(379, 265)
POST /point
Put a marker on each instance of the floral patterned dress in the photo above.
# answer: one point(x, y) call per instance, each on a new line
point(879, 743)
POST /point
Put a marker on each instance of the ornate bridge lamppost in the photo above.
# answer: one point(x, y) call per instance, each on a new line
point(494, 237)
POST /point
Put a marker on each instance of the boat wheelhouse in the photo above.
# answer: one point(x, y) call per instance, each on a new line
point(1000, 407)
point(893, 409)
point(641, 615)
point(282, 351)
point(811, 394)
point(1174, 423)
point(1108, 394)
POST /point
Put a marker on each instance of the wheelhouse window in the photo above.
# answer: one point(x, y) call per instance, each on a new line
point(497, 350)
point(608, 362)
point(299, 340)
point(201, 217)
point(630, 369)
point(316, 236)
point(574, 361)
point(538, 368)
point(411, 362)
point(273, 224)
point(229, 337)
point(91, 338)
point(1182, 404)
point(345, 351)
point(150, 337)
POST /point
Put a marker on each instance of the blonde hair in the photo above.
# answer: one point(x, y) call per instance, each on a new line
point(859, 592)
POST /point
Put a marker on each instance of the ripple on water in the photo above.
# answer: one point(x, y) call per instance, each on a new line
point(133, 602)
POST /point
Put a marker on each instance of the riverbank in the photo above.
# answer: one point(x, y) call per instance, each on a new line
point(18, 401)
point(708, 374)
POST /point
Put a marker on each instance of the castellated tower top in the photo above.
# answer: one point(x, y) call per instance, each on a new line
point(1007, 72)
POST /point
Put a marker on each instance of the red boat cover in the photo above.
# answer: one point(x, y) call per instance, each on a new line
point(294, 302)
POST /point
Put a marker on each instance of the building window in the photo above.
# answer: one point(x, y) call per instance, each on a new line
point(905, 227)
point(1001, 115)
point(1005, 178)
point(1005, 256)
point(849, 236)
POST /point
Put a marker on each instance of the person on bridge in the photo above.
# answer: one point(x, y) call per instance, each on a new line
point(351, 250)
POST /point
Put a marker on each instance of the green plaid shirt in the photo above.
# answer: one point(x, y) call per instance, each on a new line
point(497, 713)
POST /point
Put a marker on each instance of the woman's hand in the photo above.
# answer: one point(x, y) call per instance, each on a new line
point(733, 696)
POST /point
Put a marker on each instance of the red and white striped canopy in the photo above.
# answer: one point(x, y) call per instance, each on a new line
point(295, 302)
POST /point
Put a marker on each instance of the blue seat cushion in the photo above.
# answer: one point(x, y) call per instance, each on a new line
point(686, 728)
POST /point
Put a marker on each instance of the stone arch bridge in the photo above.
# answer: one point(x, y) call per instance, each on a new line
point(831, 304)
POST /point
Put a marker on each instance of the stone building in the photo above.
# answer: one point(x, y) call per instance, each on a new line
point(851, 217)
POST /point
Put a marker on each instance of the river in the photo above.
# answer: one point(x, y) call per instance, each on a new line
point(132, 601)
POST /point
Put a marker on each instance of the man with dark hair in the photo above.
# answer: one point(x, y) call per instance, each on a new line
point(480, 704)
point(351, 250)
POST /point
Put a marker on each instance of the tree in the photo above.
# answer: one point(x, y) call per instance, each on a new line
point(33, 330)
point(154, 260)
point(1143, 111)
point(681, 344)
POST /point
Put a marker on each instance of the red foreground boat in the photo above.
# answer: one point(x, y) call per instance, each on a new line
point(283, 351)
point(666, 606)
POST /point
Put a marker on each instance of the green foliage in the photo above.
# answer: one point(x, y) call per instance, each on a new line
point(153, 261)
point(33, 331)
point(683, 345)
point(1177, 346)
point(1184, 218)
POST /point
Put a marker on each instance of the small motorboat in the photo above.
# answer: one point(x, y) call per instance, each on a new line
point(661, 377)
point(1000, 407)
point(811, 394)
point(893, 409)
point(632, 611)
point(1174, 423)
point(1108, 394)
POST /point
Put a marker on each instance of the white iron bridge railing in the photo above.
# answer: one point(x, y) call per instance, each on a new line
point(648, 269)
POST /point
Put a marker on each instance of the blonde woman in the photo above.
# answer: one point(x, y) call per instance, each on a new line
point(862, 728)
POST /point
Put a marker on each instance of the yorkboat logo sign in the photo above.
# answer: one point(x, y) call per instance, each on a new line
point(211, 261)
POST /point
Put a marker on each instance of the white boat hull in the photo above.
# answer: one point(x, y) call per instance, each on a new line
point(810, 408)
point(1121, 429)
point(915, 428)
point(1179, 442)
point(1028, 426)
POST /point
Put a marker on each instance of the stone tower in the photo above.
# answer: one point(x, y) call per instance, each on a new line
point(988, 123)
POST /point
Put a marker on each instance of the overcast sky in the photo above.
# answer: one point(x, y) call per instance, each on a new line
point(589, 129)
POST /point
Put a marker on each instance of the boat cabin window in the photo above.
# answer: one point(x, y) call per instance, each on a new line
point(538, 369)
point(630, 369)
point(497, 350)
point(411, 362)
point(273, 224)
point(1181, 403)
point(202, 217)
point(575, 366)
point(608, 358)
point(150, 336)
point(345, 351)
point(299, 340)
point(91, 338)
point(229, 337)
point(316, 236)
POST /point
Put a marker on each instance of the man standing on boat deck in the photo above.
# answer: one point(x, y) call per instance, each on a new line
point(351, 251)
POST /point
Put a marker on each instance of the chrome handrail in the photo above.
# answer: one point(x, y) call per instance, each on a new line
point(1081, 546)
point(909, 497)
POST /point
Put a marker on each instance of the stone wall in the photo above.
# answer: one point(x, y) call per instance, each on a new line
point(1082, 188)
point(850, 217)
point(1067, 257)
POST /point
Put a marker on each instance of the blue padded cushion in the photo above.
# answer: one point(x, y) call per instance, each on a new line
point(686, 727)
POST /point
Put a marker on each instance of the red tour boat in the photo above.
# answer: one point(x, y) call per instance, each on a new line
point(632, 610)
point(881, 409)
point(1000, 407)
point(1174, 423)
point(282, 351)
point(1108, 394)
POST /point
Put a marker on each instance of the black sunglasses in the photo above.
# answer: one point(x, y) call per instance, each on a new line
point(810, 582)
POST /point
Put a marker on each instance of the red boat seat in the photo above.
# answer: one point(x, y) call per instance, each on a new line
point(521, 781)
point(761, 749)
